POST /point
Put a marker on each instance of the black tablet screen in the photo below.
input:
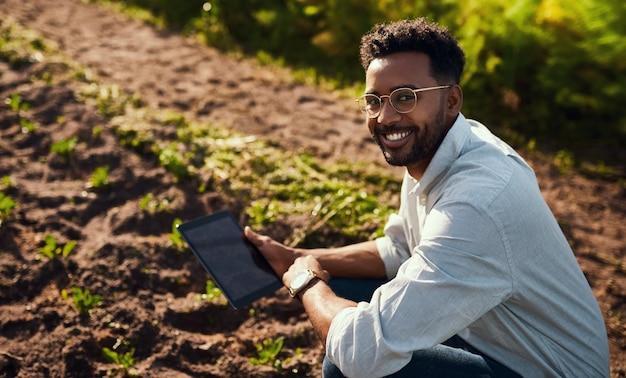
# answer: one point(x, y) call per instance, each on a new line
point(235, 265)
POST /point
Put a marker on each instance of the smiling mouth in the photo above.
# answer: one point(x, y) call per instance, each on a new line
point(392, 137)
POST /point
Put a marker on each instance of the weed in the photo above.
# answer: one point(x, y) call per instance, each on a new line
point(110, 99)
point(144, 203)
point(138, 141)
point(212, 293)
point(175, 237)
point(123, 361)
point(6, 205)
point(52, 249)
point(170, 159)
point(99, 180)
point(64, 148)
point(267, 353)
point(96, 132)
point(564, 161)
point(16, 104)
point(27, 126)
point(84, 301)
point(6, 183)
point(599, 170)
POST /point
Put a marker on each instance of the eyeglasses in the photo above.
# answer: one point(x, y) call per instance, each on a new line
point(403, 100)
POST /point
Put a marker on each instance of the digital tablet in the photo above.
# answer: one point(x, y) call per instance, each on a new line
point(235, 265)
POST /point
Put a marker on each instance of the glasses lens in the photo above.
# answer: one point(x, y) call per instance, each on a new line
point(369, 104)
point(403, 100)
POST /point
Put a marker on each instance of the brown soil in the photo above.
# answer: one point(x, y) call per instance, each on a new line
point(123, 254)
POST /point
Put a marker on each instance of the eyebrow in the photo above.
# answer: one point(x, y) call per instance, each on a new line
point(410, 86)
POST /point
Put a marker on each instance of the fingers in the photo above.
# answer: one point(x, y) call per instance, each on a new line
point(276, 254)
point(252, 236)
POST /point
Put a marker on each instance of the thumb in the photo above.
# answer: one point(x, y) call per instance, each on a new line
point(252, 236)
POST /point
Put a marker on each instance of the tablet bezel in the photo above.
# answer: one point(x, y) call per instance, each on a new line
point(257, 289)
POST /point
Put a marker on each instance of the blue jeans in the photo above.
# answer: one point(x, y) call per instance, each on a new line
point(451, 359)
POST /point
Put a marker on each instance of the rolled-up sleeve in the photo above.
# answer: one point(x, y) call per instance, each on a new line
point(392, 248)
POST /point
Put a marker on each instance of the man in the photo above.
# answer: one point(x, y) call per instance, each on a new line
point(480, 279)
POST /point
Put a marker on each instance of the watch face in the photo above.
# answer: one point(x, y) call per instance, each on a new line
point(299, 279)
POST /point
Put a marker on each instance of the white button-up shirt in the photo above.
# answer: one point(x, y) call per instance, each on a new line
point(475, 251)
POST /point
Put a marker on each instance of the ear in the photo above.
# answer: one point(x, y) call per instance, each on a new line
point(454, 100)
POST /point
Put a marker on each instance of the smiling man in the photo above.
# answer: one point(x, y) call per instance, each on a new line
point(473, 277)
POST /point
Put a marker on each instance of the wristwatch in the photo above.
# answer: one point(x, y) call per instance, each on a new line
point(301, 280)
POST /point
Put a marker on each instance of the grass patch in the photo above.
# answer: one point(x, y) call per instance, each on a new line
point(275, 185)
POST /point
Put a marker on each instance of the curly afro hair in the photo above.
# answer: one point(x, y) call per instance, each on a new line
point(446, 56)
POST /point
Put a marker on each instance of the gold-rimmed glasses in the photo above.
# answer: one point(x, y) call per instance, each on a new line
point(403, 100)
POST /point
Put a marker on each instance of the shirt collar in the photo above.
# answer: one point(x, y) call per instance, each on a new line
point(446, 154)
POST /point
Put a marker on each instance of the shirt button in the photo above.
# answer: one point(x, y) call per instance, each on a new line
point(423, 199)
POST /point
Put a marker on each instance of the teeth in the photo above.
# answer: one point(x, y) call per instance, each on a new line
point(396, 136)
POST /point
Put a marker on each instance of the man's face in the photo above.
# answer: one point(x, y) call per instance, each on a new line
point(409, 139)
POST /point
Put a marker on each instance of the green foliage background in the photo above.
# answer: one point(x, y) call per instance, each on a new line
point(546, 69)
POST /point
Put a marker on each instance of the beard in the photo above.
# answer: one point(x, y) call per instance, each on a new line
point(426, 141)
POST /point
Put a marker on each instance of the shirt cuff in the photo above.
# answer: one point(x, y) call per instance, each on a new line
point(391, 260)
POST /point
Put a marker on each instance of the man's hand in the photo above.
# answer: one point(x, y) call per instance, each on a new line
point(304, 263)
point(319, 300)
point(278, 255)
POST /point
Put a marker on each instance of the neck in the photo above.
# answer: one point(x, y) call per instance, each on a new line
point(417, 170)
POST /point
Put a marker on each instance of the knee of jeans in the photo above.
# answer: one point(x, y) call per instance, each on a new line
point(330, 370)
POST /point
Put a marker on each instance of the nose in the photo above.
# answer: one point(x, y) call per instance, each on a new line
point(388, 115)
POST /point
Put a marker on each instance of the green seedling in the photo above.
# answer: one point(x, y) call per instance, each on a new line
point(96, 132)
point(123, 361)
point(212, 293)
point(564, 161)
point(52, 249)
point(27, 126)
point(16, 104)
point(99, 179)
point(171, 160)
point(267, 353)
point(6, 205)
point(84, 301)
point(175, 237)
point(151, 205)
point(144, 204)
point(64, 148)
point(6, 182)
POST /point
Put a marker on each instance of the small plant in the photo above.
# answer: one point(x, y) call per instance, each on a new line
point(171, 160)
point(564, 161)
point(175, 237)
point(123, 361)
point(212, 293)
point(84, 301)
point(64, 148)
point(52, 249)
point(6, 182)
point(16, 104)
point(145, 202)
point(27, 126)
point(96, 132)
point(151, 205)
point(99, 179)
point(267, 352)
point(6, 205)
